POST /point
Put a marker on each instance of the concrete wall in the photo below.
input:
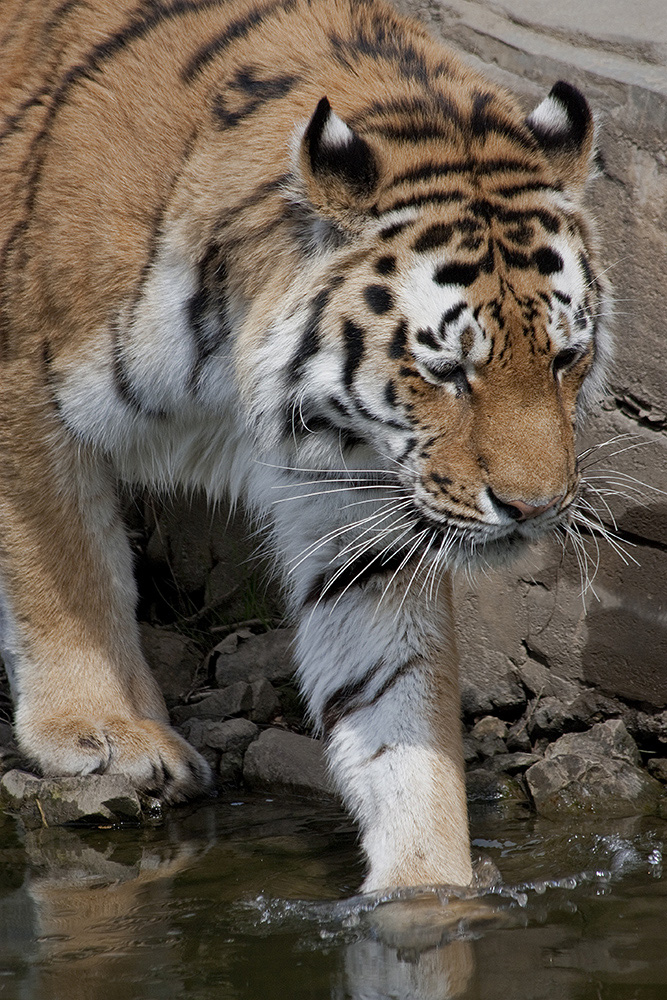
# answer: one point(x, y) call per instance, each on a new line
point(531, 619)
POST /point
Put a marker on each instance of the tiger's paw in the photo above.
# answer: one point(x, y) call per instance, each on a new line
point(154, 757)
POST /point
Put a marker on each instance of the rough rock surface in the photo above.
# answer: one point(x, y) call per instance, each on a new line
point(96, 800)
point(593, 772)
point(173, 659)
point(259, 657)
point(281, 759)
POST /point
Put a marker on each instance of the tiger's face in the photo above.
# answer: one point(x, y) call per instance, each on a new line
point(471, 336)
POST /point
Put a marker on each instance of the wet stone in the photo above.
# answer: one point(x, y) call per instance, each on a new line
point(486, 785)
point(94, 799)
point(593, 772)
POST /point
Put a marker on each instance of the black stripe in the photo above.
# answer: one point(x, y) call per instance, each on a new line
point(428, 197)
point(429, 170)
point(457, 274)
point(259, 92)
point(452, 315)
point(428, 339)
point(398, 342)
point(261, 192)
point(562, 297)
point(410, 131)
point(127, 392)
point(347, 698)
point(353, 342)
point(238, 29)
point(378, 298)
point(310, 341)
point(390, 231)
point(437, 235)
point(385, 265)
point(207, 311)
point(485, 119)
point(511, 190)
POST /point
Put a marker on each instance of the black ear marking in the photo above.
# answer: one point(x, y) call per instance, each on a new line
point(335, 151)
point(563, 120)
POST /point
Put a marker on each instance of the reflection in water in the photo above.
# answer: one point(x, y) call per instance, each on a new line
point(252, 901)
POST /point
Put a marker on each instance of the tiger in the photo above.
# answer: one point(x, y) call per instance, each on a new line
point(299, 254)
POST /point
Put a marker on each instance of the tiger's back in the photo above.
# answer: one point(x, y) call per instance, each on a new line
point(245, 245)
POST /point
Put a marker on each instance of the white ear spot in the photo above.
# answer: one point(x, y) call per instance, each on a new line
point(550, 118)
point(336, 132)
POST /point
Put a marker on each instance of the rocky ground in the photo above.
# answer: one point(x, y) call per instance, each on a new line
point(532, 742)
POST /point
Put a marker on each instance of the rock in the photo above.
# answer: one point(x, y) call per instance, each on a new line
point(518, 739)
point(658, 768)
point(512, 763)
point(544, 683)
point(93, 799)
point(470, 750)
point(230, 701)
point(235, 734)
point(489, 735)
point(549, 717)
point(222, 744)
point(261, 657)
point(649, 730)
point(265, 701)
point(503, 694)
point(593, 772)
point(173, 660)
point(486, 785)
point(282, 759)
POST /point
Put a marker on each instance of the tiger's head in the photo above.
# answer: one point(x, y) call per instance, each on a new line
point(460, 332)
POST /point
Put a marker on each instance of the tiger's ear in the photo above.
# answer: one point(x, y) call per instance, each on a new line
point(339, 167)
point(564, 128)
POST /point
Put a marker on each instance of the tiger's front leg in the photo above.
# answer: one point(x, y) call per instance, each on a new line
point(381, 676)
point(86, 701)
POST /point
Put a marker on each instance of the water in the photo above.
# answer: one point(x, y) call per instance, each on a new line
point(253, 898)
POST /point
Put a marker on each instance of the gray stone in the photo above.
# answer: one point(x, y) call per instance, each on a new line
point(281, 759)
point(658, 768)
point(230, 701)
point(518, 740)
point(483, 692)
point(173, 659)
point(489, 735)
point(260, 657)
point(486, 785)
point(94, 799)
point(235, 734)
point(595, 772)
point(265, 701)
point(470, 750)
point(549, 717)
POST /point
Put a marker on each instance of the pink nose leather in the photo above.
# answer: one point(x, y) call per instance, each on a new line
point(527, 510)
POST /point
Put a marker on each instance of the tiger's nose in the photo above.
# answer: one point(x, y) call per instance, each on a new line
point(520, 511)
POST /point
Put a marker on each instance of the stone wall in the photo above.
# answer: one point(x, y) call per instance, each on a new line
point(531, 621)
